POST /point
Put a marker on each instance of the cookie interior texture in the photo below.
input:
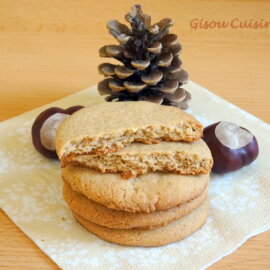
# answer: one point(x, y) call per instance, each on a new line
point(172, 232)
point(136, 158)
point(108, 127)
point(117, 219)
point(145, 193)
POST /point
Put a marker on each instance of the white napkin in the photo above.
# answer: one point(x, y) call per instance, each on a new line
point(31, 195)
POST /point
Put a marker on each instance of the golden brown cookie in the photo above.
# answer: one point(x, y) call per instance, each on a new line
point(108, 127)
point(101, 215)
point(145, 193)
point(136, 158)
point(172, 232)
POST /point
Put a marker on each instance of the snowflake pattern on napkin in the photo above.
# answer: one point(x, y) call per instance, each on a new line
point(31, 195)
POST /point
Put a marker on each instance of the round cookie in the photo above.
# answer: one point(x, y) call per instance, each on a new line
point(109, 126)
point(173, 232)
point(145, 193)
point(101, 215)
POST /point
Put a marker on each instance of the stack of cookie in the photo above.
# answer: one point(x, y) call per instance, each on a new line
point(135, 173)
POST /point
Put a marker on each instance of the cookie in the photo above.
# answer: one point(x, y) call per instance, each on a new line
point(145, 193)
point(108, 127)
point(136, 158)
point(101, 215)
point(172, 232)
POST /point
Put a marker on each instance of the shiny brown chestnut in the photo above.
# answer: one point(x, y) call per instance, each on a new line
point(232, 146)
point(45, 126)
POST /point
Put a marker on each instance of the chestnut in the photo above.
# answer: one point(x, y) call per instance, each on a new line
point(232, 146)
point(45, 126)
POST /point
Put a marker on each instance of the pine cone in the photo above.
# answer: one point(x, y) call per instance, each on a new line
point(151, 69)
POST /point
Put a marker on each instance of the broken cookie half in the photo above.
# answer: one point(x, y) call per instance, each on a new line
point(136, 159)
point(109, 127)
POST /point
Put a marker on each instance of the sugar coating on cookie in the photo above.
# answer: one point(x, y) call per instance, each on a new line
point(136, 159)
point(108, 127)
point(117, 219)
point(170, 233)
point(144, 193)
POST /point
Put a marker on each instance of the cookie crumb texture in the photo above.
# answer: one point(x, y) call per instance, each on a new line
point(170, 233)
point(108, 127)
point(136, 159)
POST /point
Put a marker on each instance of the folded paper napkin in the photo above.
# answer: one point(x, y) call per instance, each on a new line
point(31, 195)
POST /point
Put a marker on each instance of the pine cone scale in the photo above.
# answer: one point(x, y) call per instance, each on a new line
point(153, 78)
point(116, 86)
point(155, 48)
point(116, 28)
point(140, 64)
point(123, 72)
point(169, 87)
point(104, 88)
point(106, 69)
point(169, 40)
point(134, 87)
point(178, 96)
